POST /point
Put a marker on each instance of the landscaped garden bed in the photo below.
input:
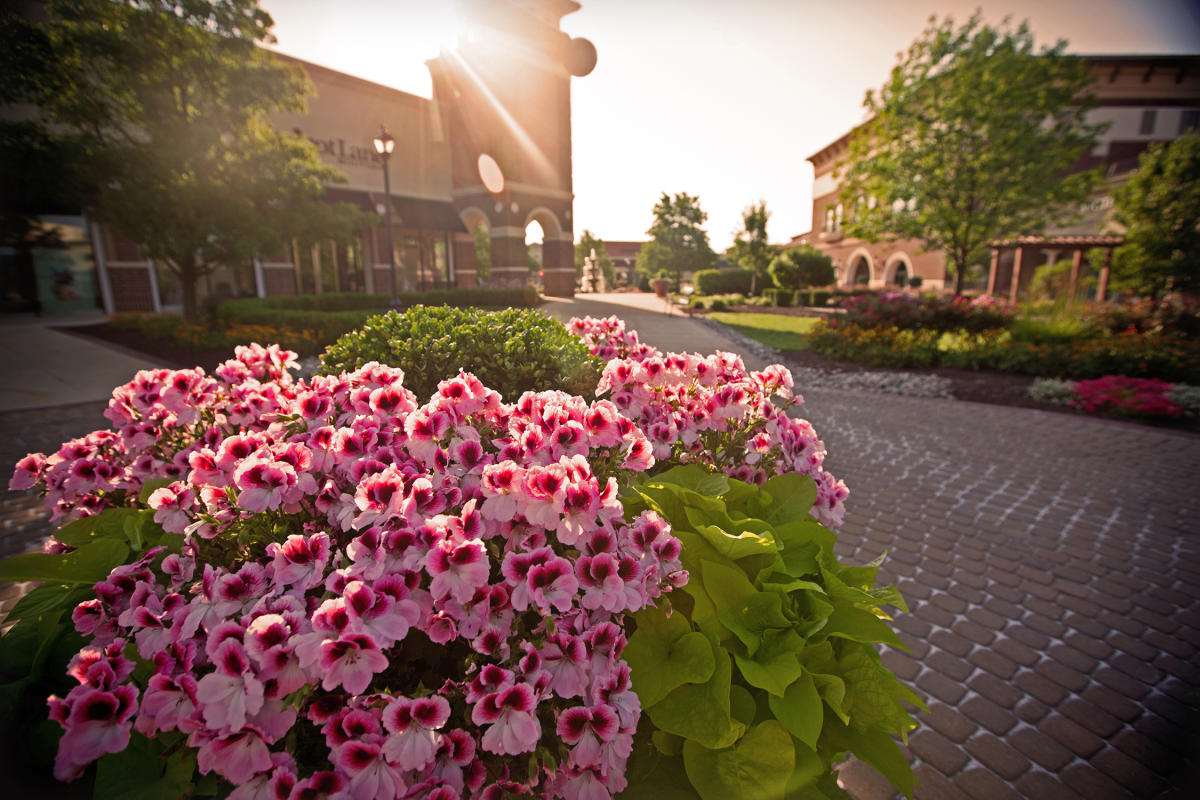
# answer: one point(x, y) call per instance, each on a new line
point(983, 353)
point(334, 586)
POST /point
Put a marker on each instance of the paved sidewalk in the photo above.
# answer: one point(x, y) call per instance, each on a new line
point(1051, 562)
point(42, 367)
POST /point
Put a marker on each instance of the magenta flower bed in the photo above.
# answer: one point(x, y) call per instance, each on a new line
point(1140, 397)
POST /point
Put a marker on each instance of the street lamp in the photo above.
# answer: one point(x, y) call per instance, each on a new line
point(384, 145)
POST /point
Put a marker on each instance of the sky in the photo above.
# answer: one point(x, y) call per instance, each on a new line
point(723, 99)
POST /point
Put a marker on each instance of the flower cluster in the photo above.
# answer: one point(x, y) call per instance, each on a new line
point(929, 312)
point(369, 598)
point(1140, 397)
point(158, 420)
point(712, 410)
point(608, 339)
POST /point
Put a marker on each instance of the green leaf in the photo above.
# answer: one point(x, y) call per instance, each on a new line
point(89, 564)
point(849, 622)
point(800, 710)
point(667, 743)
point(873, 694)
point(756, 768)
point(696, 478)
point(741, 704)
point(109, 523)
point(733, 546)
point(701, 712)
point(656, 777)
point(46, 598)
point(144, 771)
point(774, 675)
point(801, 543)
point(804, 783)
point(664, 653)
point(792, 496)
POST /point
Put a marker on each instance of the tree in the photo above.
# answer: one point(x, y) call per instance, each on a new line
point(678, 244)
point(750, 249)
point(483, 250)
point(168, 102)
point(801, 268)
point(587, 243)
point(1160, 206)
point(971, 140)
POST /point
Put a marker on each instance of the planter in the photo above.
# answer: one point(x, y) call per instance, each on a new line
point(661, 288)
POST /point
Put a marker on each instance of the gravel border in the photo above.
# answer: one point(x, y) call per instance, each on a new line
point(909, 384)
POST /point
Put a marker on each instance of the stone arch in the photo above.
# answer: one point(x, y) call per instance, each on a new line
point(860, 264)
point(898, 264)
point(472, 216)
point(551, 227)
point(558, 246)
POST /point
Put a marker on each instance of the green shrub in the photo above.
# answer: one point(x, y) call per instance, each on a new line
point(783, 297)
point(771, 296)
point(333, 314)
point(817, 298)
point(717, 304)
point(877, 345)
point(511, 351)
point(1052, 330)
point(724, 281)
point(513, 297)
point(802, 267)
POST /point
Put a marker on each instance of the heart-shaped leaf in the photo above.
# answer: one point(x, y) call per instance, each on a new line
point(664, 653)
point(800, 710)
point(756, 768)
point(701, 712)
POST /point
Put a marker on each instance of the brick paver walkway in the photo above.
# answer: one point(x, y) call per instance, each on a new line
point(1051, 564)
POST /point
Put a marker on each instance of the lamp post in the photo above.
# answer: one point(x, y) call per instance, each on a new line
point(384, 145)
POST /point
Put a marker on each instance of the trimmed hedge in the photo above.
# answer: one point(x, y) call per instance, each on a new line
point(335, 314)
point(512, 351)
point(818, 298)
point(724, 281)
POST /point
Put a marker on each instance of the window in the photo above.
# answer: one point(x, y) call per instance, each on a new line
point(828, 220)
point(1149, 116)
point(1189, 120)
point(837, 220)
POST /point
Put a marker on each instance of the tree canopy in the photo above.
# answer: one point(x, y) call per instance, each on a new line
point(588, 242)
point(1160, 206)
point(802, 267)
point(973, 138)
point(678, 243)
point(750, 249)
point(167, 102)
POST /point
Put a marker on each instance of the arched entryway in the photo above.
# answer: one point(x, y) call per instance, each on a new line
point(860, 271)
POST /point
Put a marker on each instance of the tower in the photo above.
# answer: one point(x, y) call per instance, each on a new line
point(504, 96)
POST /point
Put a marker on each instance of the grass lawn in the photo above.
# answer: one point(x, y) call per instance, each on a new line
point(774, 330)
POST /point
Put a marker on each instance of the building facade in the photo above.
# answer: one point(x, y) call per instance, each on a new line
point(1144, 99)
point(501, 97)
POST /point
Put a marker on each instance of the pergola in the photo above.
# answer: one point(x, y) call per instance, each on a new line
point(1077, 244)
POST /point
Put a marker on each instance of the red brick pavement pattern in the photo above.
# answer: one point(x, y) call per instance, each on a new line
point(1051, 564)
point(23, 518)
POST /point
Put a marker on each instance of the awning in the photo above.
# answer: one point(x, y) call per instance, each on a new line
point(407, 212)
